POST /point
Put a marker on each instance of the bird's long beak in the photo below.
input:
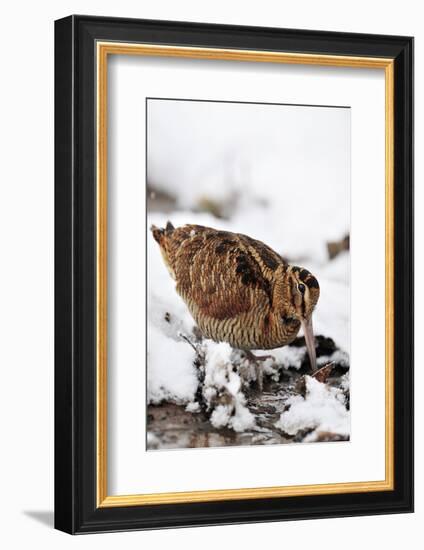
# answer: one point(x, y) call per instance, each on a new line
point(310, 342)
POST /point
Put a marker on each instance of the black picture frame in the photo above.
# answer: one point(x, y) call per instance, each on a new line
point(76, 510)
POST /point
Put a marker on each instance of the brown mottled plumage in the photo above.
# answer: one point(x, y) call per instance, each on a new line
point(238, 289)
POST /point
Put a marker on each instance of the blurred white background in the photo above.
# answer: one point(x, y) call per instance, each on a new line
point(26, 218)
point(280, 173)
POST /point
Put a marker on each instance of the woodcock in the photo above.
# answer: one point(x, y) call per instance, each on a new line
point(238, 289)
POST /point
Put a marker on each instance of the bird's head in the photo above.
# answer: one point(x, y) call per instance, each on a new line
point(304, 292)
point(299, 294)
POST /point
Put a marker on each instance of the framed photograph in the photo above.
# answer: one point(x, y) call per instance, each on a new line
point(234, 274)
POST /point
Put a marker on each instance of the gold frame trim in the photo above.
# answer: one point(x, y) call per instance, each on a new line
point(119, 48)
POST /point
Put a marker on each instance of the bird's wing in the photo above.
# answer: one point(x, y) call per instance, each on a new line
point(223, 274)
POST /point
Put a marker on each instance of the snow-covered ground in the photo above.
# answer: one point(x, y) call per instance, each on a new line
point(322, 409)
point(279, 174)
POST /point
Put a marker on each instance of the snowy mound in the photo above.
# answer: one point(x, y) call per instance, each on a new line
point(322, 410)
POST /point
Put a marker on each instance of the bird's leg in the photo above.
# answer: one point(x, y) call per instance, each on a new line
point(256, 360)
point(254, 357)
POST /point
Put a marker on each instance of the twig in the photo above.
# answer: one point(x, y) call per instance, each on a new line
point(184, 337)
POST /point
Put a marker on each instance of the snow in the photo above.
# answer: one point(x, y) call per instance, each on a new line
point(286, 357)
point(153, 442)
point(281, 175)
point(193, 407)
point(321, 410)
point(340, 357)
point(171, 375)
point(222, 390)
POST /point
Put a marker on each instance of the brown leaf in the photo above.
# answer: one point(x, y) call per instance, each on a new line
point(324, 372)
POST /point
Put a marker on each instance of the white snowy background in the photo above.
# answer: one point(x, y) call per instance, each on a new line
point(280, 174)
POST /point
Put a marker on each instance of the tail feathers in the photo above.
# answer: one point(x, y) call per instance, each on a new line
point(161, 237)
point(159, 233)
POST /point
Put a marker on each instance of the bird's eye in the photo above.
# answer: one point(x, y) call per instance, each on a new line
point(301, 288)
